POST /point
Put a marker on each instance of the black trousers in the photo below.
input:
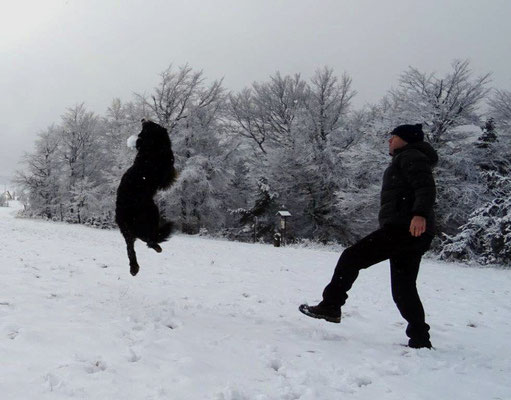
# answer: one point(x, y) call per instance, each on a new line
point(404, 252)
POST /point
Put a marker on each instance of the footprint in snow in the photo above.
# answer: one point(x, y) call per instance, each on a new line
point(362, 381)
point(133, 357)
point(275, 364)
point(12, 335)
point(52, 381)
point(95, 366)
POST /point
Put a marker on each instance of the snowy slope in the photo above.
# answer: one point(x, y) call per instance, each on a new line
point(218, 320)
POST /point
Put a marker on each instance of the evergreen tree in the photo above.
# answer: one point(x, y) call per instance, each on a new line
point(488, 136)
point(486, 237)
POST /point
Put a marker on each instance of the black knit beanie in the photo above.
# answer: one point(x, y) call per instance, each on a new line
point(409, 133)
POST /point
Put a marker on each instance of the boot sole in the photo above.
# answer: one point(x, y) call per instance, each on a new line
point(305, 310)
point(429, 347)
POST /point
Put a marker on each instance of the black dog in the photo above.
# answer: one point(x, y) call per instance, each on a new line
point(136, 213)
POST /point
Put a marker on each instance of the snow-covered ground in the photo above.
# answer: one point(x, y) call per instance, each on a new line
point(218, 320)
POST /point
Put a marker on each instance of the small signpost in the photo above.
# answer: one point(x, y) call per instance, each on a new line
point(284, 215)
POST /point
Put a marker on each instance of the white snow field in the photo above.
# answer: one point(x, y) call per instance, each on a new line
point(210, 319)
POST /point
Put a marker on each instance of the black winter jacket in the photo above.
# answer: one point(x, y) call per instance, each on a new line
point(408, 187)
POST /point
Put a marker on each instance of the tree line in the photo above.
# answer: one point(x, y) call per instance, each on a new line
point(290, 143)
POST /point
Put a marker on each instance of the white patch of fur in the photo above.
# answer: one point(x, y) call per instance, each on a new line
point(132, 142)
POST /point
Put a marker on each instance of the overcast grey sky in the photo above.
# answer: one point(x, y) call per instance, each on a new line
point(57, 53)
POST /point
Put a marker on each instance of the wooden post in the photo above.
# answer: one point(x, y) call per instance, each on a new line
point(283, 214)
point(255, 230)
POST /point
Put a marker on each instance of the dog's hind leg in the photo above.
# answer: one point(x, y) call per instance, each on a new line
point(130, 244)
point(155, 246)
point(165, 228)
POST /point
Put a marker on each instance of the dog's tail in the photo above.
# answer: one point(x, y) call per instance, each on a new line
point(165, 229)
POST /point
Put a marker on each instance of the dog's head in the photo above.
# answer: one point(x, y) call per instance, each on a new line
point(152, 138)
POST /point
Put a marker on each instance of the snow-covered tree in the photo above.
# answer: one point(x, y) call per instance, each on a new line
point(500, 108)
point(440, 103)
point(292, 126)
point(79, 143)
point(178, 94)
point(42, 177)
point(247, 116)
point(83, 201)
point(327, 102)
point(486, 237)
point(488, 136)
point(197, 198)
point(255, 220)
point(81, 154)
point(280, 101)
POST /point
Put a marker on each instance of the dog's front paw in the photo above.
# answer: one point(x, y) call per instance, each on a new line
point(134, 269)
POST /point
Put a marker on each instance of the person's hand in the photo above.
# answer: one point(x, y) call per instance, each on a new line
point(418, 226)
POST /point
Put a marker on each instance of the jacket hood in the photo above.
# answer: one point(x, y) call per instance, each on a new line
point(424, 147)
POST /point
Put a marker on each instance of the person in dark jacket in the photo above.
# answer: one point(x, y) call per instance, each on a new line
point(407, 226)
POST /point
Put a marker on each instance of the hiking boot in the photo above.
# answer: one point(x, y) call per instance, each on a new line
point(419, 336)
point(419, 344)
point(328, 313)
